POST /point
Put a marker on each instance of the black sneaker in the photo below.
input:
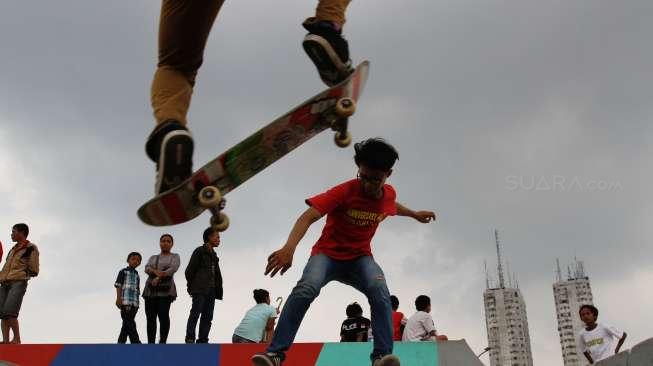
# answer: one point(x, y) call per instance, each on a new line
point(268, 359)
point(170, 146)
point(328, 50)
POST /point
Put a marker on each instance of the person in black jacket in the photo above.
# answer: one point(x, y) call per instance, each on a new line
point(204, 282)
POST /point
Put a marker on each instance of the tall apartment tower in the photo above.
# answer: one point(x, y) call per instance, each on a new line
point(505, 319)
point(569, 295)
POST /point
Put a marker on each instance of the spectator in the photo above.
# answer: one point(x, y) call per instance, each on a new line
point(22, 264)
point(128, 288)
point(204, 282)
point(160, 289)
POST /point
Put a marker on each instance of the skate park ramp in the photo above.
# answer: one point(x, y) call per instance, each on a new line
point(640, 355)
point(449, 353)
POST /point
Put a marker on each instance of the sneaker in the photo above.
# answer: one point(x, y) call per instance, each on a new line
point(387, 360)
point(328, 50)
point(170, 146)
point(268, 359)
point(189, 340)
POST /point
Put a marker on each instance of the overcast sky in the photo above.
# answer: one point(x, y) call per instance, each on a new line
point(532, 117)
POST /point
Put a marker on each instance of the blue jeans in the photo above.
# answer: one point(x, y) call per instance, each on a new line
point(202, 305)
point(362, 273)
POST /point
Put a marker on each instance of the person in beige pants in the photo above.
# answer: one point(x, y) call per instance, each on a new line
point(183, 31)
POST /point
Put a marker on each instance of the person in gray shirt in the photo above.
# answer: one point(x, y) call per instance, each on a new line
point(160, 290)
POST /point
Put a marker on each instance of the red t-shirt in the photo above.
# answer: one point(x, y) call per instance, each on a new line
point(397, 317)
point(351, 220)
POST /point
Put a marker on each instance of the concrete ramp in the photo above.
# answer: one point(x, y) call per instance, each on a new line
point(456, 353)
point(640, 355)
point(449, 353)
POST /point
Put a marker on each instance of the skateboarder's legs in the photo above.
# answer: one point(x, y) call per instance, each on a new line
point(332, 10)
point(367, 277)
point(319, 271)
point(184, 28)
point(362, 273)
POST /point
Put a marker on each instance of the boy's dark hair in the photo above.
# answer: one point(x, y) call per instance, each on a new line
point(169, 236)
point(353, 310)
point(375, 153)
point(422, 302)
point(591, 308)
point(260, 295)
point(22, 228)
point(132, 254)
point(208, 232)
point(395, 302)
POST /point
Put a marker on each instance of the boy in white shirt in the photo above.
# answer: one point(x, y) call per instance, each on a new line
point(598, 341)
point(420, 326)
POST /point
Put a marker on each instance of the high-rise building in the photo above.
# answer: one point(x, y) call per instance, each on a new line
point(569, 295)
point(506, 321)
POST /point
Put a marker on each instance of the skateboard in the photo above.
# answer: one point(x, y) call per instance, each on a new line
point(206, 188)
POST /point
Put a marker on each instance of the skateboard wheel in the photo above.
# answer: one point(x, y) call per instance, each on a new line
point(342, 139)
point(345, 107)
point(210, 197)
point(220, 221)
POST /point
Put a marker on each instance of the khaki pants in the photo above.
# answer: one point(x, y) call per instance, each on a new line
point(183, 30)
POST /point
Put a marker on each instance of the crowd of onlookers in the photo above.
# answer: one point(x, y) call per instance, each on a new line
point(204, 284)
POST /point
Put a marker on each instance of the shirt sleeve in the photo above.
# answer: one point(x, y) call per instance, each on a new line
point(150, 264)
point(33, 263)
point(428, 324)
point(174, 265)
point(120, 280)
point(273, 312)
point(391, 200)
point(329, 200)
point(614, 332)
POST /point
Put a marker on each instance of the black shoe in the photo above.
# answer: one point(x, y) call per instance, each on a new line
point(328, 50)
point(189, 340)
point(170, 146)
point(268, 359)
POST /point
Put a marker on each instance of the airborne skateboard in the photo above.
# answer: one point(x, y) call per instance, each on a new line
point(206, 188)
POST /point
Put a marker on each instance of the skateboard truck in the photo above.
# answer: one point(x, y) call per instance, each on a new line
point(211, 198)
point(338, 120)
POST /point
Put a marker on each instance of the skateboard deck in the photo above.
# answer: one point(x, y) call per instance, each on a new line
point(206, 187)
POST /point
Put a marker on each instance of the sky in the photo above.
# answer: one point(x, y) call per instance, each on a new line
point(530, 117)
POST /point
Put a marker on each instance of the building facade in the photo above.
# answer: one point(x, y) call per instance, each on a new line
point(569, 295)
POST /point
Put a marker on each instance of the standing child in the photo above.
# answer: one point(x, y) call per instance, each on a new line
point(128, 289)
point(598, 341)
point(356, 327)
point(343, 253)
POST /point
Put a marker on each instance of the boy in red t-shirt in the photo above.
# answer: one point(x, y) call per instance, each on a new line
point(354, 209)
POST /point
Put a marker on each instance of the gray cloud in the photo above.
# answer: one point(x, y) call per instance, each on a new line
point(473, 94)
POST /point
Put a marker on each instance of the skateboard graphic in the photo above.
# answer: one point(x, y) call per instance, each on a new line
point(206, 188)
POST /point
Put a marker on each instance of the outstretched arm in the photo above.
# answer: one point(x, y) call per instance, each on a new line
point(281, 260)
point(421, 216)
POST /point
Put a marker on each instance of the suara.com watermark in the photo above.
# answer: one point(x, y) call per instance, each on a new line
point(559, 183)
